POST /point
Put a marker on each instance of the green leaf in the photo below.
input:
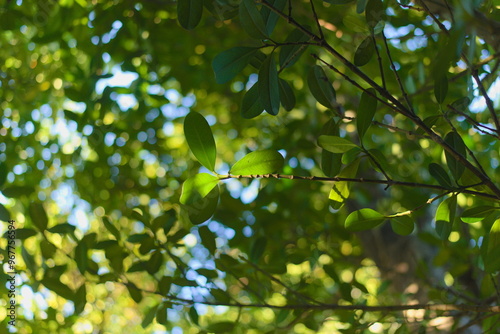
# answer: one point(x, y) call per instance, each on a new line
point(251, 106)
point(445, 217)
point(455, 141)
point(338, 2)
point(197, 187)
point(111, 228)
point(461, 104)
point(374, 12)
point(335, 144)
point(189, 13)
point(22, 233)
point(64, 228)
point(149, 317)
point(80, 299)
point(193, 315)
point(270, 17)
point(207, 239)
point(440, 86)
point(135, 293)
point(258, 248)
point(229, 63)
point(3, 173)
point(38, 216)
point(17, 191)
point(287, 97)
point(492, 258)
point(269, 86)
point(81, 256)
point(331, 163)
point(477, 214)
point(258, 163)
point(165, 284)
point(201, 210)
point(363, 219)
point(289, 54)
point(4, 213)
point(58, 287)
point(162, 313)
point(320, 87)
point(154, 263)
point(402, 225)
point(440, 175)
point(200, 139)
point(251, 20)
point(340, 190)
point(360, 6)
point(364, 52)
point(221, 327)
point(366, 111)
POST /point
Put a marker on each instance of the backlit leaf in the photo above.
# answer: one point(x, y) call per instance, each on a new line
point(258, 162)
point(476, 214)
point(445, 217)
point(402, 225)
point(331, 163)
point(340, 190)
point(197, 187)
point(492, 258)
point(268, 86)
point(335, 144)
point(363, 219)
point(200, 139)
point(201, 210)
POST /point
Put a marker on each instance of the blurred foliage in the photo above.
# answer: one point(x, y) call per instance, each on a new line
point(93, 157)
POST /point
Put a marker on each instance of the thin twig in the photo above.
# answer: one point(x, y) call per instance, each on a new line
point(321, 35)
point(489, 103)
point(379, 59)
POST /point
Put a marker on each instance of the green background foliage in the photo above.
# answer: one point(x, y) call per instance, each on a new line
point(152, 194)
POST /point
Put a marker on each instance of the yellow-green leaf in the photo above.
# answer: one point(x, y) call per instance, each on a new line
point(200, 139)
point(364, 219)
point(258, 162)
point(197, 187)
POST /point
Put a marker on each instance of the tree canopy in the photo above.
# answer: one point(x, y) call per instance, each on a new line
point(250, 166)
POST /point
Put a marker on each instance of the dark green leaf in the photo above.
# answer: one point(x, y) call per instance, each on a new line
point(289, 54)
point(189, 13)
point(229, 63)
point(331, 163)
point(258, 248)
point(366, 111)
point(455, 141)
point(252, 20)
point(3, 173)
point(445, 217)
point(440, 175)
point(251, 106)
point(461, 104)
point(478, 213)
point(270, 17)
point(268, 86)
point(338, 2)
point(193, 315)
point(200, 139)
point(111, 228)
point(402, 225)
point(154, 263)
point(221, 327)
point(135, 293)
point(207, 239)
point(440, 86)
point(17, 191)
point(81, 256)
point(364, 52)
point(335, 144)
point(258, 162)
point(375, 12)
point(197, 187)
point(58, 287)
point(64, 228)
point(287, 97)
point(29, 260)
point(4, 213)
point(320, 87)
point(38, 216)
point(360, 6)
point(80, 299)
point(165, 284)
point(211, 274)
point(492, 258)
point(48, 249)
point(201, 210)
point(363, 219)
point(22, 233)
point(149, 317)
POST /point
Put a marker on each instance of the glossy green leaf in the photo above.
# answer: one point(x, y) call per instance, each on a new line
point(201, 210)
point(4, 213)
point(320, 87)
point(492, 258)
point(287, 96)
point(366, 111)
point(440, 87)
point(331, 163)
point(440, 175)
point(189, 13)
point(340, 190)
point(197, 187)
point(251, 20)
point(258, 162)
point(270, 17)
point(251, 106)
point(477, 214)
point(364, 52)
point(289, 54)
point(38, 216)
point(363, 219)
point(374, 12)
point(455, 141)
point(200, 139)
point(402, 225)
point(268, 86)
point(445, 217)
point(229, 63)
point(335, 144)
